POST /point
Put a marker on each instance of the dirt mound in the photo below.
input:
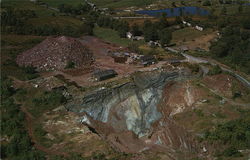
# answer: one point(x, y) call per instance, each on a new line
point(179, 96)
point(55, 53)
point(221, 83)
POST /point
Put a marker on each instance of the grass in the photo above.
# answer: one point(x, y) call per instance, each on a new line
point(188, 34)
point(122, 3)
point(112, 36)
point(12, 45)
point(56, 3)
point(55, 21)
point(44, 14)
point(27, 5)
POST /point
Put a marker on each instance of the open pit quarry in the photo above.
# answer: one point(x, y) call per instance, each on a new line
point(144, 110)
point(130, 115)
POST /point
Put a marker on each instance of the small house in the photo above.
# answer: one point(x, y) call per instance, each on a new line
point(101, 75)
point(148, 60)
point(174, 62)
point(153, 44)
point(199, 28)
point(129, 35)
point(184, 48)
point(138, 38)
point(126, 54)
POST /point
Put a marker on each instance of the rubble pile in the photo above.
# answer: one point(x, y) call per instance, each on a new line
point(55, 53)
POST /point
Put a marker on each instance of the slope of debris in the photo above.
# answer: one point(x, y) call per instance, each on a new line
point(55, 53)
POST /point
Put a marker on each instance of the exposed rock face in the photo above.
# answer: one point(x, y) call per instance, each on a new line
point(130, 106)
point(55, 53)
point(128, 115)
point(178, 96)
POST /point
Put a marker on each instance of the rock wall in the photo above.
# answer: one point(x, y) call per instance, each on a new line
point(134, 103)
point(130, 111)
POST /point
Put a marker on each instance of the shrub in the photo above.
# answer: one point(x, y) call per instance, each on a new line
point(206, 3)
point(70, 64)
point(231, 152)
point(234, 133)
point(215, 70)
point(194, 68)
point(31, 72)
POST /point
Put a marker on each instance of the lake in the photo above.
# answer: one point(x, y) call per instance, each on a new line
point(173, 12)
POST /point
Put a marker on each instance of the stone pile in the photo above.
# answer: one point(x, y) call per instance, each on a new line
point(55, 53)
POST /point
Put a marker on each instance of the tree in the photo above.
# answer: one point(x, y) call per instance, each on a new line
point(6, 87)
point(224, 11)
point(70, 64)
point(165, 36)
point(135, 30)
point(240, 9)
point(215, 70)
point(173, 4)
point(219, 49)
point(123, 28)
point(237, 55)
point(232, 152)
point(86, 29)
point(163, 23)
point(206, 3)
point(150, 31)
point(246, 23)
point(178, 20)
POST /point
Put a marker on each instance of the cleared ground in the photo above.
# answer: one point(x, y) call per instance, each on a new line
point(193, 38)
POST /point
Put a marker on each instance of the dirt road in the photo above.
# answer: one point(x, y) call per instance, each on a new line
point(193, 59)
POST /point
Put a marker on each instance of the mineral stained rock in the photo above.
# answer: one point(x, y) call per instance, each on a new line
point(129, 116)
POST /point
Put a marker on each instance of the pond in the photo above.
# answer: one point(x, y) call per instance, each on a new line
point(173, 12)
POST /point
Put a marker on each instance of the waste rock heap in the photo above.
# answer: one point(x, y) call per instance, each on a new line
point(54, 53)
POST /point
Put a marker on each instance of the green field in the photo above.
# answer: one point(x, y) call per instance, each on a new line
point(112, 36)
point(122, 3)
point(188, 34)
point(56, 21)
point(56, 3)
point(45, 16)
point(41, 11)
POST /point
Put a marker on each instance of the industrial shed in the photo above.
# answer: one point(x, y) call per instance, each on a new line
point(101, 75)
point(148, 60)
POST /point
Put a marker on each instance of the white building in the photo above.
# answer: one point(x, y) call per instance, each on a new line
point(129, 35)
point(199, 28)
point(189, 24)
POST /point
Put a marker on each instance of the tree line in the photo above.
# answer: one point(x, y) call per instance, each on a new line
point(80, 9)
point(157, 31)
point(18, 144)
point(234, 134)
point(15, 21)
point(233, 48)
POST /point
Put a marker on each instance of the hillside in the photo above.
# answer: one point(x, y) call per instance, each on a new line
point(125, 80)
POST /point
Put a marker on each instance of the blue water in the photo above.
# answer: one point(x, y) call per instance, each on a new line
point(173, 12)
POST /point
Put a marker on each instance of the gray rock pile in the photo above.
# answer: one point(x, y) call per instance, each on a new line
point(55, 53)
